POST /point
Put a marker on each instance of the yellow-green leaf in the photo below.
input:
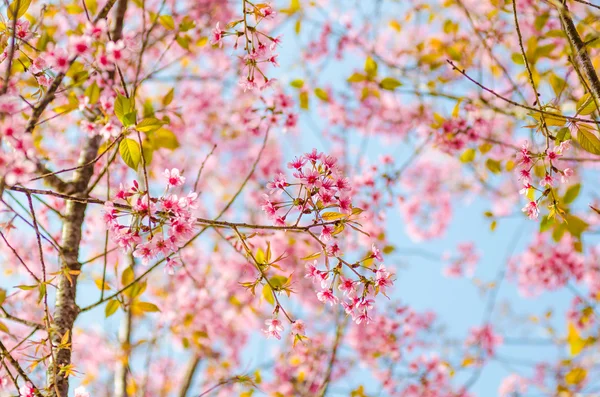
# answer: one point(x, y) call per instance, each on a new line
point(164, 138)
point(149, 124)
point(468, 155)
point(101, 286)
point(267, 293)
point(575, 376)
point(18, 8)
point(123, 107)
point(370, 67)
point(322, 94)
point(493, 165)
point(332, 216)
point(111, 307)
point(588, 140)
point(278, 281)
point(586, 105)
point(167, 21)
point(130, 153)
point(167, 99)
point(146, 307)
point(312, 256)
point(298, 83)
point(576, 343)
point(4, 328)
point(127, 277)
point(571, 193)
point(303, 100)
point(390, 84)
point(357, 78)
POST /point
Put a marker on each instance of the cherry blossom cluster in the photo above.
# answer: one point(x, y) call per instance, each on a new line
point(432, 377)
point(357, 292)
point(427, 211)
point(454, 135)
point(156, 225)
point(485, 339)
point(581, 314)
point(303, 371)
point(16, 151)
point(527, 160)
point(547, 266)
point(464, 263)
point(258, 45)
point(318, 187)
point(392, 335)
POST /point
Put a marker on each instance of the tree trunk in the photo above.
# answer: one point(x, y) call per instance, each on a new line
point(66, 309)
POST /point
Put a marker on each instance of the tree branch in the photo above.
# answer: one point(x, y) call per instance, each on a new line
point(582, 55)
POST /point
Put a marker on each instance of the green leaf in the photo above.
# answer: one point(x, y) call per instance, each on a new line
point(183, 41)
point(2, 295)
point(164, 138)
point(322, 94)
point(18, 8)
point(390, 84)
point(564, 134)
point(493, 165)
point(167, 21)
point(149, 124)
point(551, 119)
point(187, 23)
point(278, 281)
point(546, 223)
point(540, 20)
point(357, 78)
point(267, 293)
point(571, 194)
point(123, 106)
point(575, 226)
point(93, 93)
point(370, 67)
point(588, 140)
point(147, 151)
point(468, 155)
point(130, 153)
point(167, 99)
point(111, 307)
point(4, 328)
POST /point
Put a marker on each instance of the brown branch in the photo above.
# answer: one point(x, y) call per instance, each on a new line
point(555, 115)
point(8, 316)
point(582, 55)
point(190, 371)
point(6, 355)
point(50, 93)
point(11, 52)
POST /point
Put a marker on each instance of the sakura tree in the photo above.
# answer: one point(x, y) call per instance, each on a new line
point(299, 198)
